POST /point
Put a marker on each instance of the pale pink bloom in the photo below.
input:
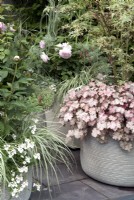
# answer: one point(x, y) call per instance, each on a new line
point(130, 125)
point(116, 102)
point(81, 125)
point(101, 126)
point(65, 53)
point(92, 123)
point(92, 102)
point(128, 114)
point(3, 27)
point(112, 118)
point(126, 130)
point(132, 104)
point(42, 44)
point(72, 94)
point(86, 108)
point(44, 57)
point(102, 117)
point(74, 106)
point(77, 133)
point(95, 132)
point(92, 111)
point(68, 116)
point(86, 94)
point(119, 109)
point(117, 136)
point(113, 125)
point(108, 92)
point(63, 109)
point(93, 117)
point(72, 121)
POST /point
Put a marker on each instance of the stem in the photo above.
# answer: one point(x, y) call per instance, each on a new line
point(114, 68)
point(102, 19)
point(15, 71)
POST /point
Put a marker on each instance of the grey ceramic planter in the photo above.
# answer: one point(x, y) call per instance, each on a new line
point(54, 124)
point(107, 163)
point(24, 195)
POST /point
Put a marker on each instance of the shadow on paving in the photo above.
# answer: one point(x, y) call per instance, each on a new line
point(76, 185)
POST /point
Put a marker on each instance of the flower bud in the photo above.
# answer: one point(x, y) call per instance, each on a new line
point(16, 58)
point(44, 57)
point(42, 44)
point(3, 27)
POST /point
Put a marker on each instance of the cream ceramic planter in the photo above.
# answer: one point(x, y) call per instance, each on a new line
point(107, 163)
point(24, 195)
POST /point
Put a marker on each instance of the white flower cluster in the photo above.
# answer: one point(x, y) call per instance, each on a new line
point(17, 184)
point(37, 185)
point(33, 129)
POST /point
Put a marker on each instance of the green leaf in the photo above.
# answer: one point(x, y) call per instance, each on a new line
point(2, 56)
point(1, 126)
point(3, 74)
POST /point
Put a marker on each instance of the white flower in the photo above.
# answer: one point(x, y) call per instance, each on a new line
point(14, 136)
point(33, 129)
point(23, 185)
point(16, 58)
point(37, 156)
point(21, 147)
point(44, 57)
point(35, 120)
point(14, 192)
point(0, 155)
point(37, 185)
point(6, 147)
point(23, 169)
point(27, 159)
point(19, 179)
point(12, 153)
point(29, 144)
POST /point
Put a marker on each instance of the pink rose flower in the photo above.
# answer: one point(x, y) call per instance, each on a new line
point(65, 53)
point(42, 44)
point(44, 57)
point(3, 27)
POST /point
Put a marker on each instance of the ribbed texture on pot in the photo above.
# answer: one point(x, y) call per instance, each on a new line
point(24, 195)
point(107, 163)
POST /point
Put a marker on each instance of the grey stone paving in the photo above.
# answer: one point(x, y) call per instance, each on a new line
point(76, 185)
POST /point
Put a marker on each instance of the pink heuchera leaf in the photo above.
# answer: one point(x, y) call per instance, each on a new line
point(95, 132)
point(68, 116)
point(108, 109)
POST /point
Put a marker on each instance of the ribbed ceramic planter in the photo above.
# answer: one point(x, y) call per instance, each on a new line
point(53, 122)
point(24, 195)
point(107, 163)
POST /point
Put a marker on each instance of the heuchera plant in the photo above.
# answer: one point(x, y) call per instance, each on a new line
point(108, 109)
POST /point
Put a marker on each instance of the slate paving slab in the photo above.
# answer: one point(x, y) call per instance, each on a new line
point(108, 190)
point(69, 191)
point(64, 175)
point(77, 185)
point(130, 197)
